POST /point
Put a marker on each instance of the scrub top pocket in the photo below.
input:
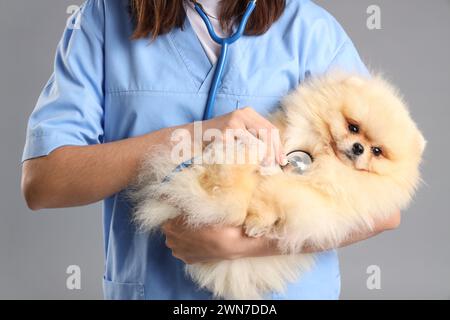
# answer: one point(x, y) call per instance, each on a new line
point(123, 291)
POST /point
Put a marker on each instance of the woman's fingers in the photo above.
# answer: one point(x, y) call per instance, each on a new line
point(211, 243)
point(245, 124)
point(207, 243)
point(255, 149)
point(267, 133)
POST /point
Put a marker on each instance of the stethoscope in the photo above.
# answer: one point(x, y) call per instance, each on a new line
point(298, 161)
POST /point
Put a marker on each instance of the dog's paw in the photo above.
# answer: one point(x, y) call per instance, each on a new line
point(256, 231)
point(256, 226)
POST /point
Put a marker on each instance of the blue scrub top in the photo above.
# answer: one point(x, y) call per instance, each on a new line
point(106, 87)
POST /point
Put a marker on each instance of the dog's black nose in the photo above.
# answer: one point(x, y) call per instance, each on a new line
point(358, 149)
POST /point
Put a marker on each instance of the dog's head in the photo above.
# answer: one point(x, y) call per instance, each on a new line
point(370, 129)
point(361, 122)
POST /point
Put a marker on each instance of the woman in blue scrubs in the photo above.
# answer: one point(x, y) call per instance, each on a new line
point(114, 95)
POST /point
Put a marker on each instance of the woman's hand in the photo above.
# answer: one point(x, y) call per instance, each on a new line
point(250, 127)
point(210, 244)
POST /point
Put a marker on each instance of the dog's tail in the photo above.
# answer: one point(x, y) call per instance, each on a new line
point(250, 278)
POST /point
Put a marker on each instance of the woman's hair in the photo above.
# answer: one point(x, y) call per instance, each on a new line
point(153, 18)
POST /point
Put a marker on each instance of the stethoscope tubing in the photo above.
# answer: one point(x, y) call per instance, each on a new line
point(224, 43)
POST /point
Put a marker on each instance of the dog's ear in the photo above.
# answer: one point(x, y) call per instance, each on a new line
point(422, 143)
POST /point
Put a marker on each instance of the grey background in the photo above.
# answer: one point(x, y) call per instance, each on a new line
point(413, 50)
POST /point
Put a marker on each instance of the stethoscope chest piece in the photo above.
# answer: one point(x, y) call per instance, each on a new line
point(298, 162)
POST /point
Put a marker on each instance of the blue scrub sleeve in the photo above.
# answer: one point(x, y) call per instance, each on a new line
point(348, 59)
point(70, 109)
point(330, 46)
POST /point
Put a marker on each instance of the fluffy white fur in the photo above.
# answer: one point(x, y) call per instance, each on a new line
point(340, 194)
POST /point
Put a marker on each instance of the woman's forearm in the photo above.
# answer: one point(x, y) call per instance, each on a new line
point(391, 223)
point(269, 247)
point(79, 175)
point(73, 176)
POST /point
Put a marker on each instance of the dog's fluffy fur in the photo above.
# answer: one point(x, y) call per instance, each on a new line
point(341, 193)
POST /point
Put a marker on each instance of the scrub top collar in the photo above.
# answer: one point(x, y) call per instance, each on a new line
point(194, 58)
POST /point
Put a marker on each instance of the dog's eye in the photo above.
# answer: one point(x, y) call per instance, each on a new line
point(377, 151)
point(353, 128)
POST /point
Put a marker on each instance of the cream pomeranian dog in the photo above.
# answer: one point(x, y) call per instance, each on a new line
point(366, 150)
